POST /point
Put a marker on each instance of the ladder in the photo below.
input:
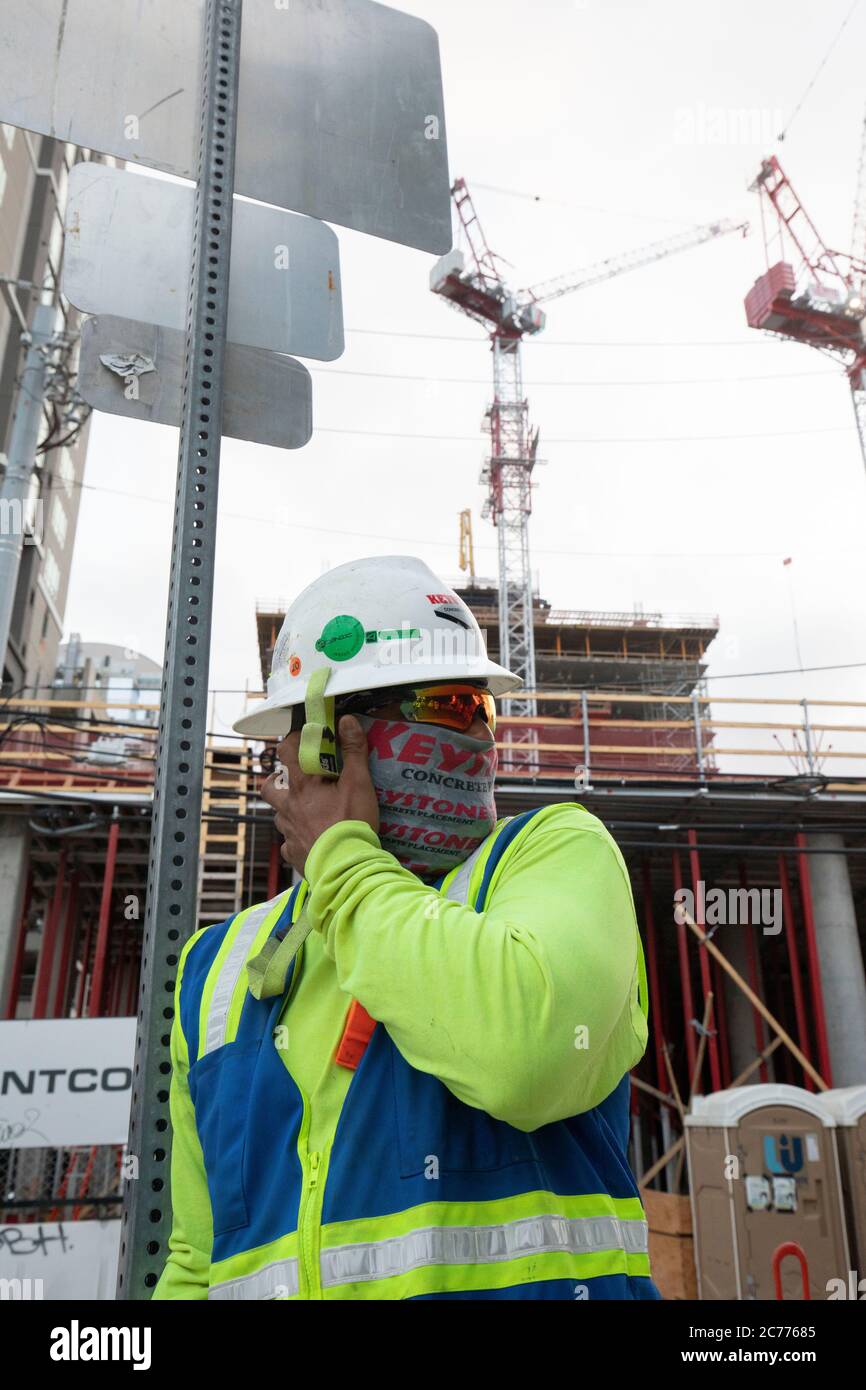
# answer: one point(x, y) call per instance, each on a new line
point(223, 842)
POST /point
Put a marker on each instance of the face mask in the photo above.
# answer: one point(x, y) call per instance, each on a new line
point(435, 792)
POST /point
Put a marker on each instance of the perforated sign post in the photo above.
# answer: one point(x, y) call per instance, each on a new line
point(177, 794)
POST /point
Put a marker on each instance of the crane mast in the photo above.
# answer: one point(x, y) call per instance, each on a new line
point(474, 284)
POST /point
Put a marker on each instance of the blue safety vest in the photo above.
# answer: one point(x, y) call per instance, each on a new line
point(424, 1196)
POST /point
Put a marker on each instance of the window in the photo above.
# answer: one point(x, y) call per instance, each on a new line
point(9, 135)
point(66, 471)
point(59, 520)
point(51, 574)
point(55, 246)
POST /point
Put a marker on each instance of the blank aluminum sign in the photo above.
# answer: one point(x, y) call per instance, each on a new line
point(267, 398)
point(340, 111)
point(129, 246)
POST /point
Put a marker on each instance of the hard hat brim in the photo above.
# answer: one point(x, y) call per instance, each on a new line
point(269, 718)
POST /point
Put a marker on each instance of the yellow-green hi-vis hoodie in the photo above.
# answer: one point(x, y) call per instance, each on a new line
point(479, 1148)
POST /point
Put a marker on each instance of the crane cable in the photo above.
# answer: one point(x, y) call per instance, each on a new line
point(823, 63)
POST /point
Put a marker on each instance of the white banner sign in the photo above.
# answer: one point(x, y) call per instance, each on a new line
point(59, 1260)
point(65, 1081)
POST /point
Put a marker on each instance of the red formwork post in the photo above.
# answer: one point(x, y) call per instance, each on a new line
point(94, 1007)
point(754, 982)
point(70, 924)
point(118, 974)
point(703, 957)
point(18, 965)
point(720, 1009)
point(796, 976)
point(132, 984)
point(685, 975)
point(45, 968)
point(653, 978)
point(814, 964)
point(85, 968)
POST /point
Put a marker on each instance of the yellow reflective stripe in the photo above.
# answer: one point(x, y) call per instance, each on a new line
point(224, 972)
point(493, 1213)
point(524, 1269)
point(274, 1283)
point(527, 1269)
point(461, 884)
point(250, 1263)
point(239, 993)
point(182, 1044)
point(454, 1246)
point(478, 1278)
point(213, 976)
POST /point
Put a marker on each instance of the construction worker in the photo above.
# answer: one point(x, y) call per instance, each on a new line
point(407, 1076)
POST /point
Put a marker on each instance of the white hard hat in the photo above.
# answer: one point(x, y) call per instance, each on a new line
point(386, 620)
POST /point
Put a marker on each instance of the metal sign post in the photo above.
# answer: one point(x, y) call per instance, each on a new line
point(172, 881)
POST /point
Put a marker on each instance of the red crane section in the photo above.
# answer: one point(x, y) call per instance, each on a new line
point(810, 294)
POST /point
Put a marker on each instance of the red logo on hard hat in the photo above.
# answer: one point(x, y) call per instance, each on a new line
point(442, 598)
point(294, 665)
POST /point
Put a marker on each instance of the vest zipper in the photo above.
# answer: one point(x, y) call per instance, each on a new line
point(309, 1210)
point(309, 1213)
point(309, 1228)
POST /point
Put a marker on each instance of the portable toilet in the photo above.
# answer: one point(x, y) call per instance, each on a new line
point(848, 1108)
point(764, 1171)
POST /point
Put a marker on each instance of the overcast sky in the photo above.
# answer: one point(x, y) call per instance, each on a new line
point(686, 454)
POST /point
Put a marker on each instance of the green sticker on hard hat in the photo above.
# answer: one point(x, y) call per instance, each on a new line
point(342, 638)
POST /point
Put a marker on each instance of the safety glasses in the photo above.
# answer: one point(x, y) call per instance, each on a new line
point(454, 705)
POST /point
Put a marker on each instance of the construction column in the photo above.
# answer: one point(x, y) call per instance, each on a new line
point(14, 850)
point(841, 959)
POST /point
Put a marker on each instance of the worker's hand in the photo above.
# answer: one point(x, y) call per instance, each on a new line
point(306, 805)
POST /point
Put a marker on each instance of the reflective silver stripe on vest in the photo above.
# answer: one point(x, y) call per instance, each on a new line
point(480, 1245)
point(230, 972)
point(279, 1280)
point(458, 888)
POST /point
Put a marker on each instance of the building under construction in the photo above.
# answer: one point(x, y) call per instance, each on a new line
point(627, 729)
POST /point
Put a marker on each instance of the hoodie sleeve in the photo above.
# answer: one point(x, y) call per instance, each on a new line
point(528, 1010)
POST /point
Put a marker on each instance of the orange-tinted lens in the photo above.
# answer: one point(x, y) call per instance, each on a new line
point(453, 706)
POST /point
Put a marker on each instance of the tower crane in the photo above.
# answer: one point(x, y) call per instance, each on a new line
point(474, 284)
point(809, 293)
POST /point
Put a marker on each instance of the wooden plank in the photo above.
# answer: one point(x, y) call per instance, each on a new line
point(672, 1264)
point(669, 1213)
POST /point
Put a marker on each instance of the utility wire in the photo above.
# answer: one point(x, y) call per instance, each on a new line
point(575, 342)
point(428, 378)
point(582, 207)
point(601, 439)
point(403, 539)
